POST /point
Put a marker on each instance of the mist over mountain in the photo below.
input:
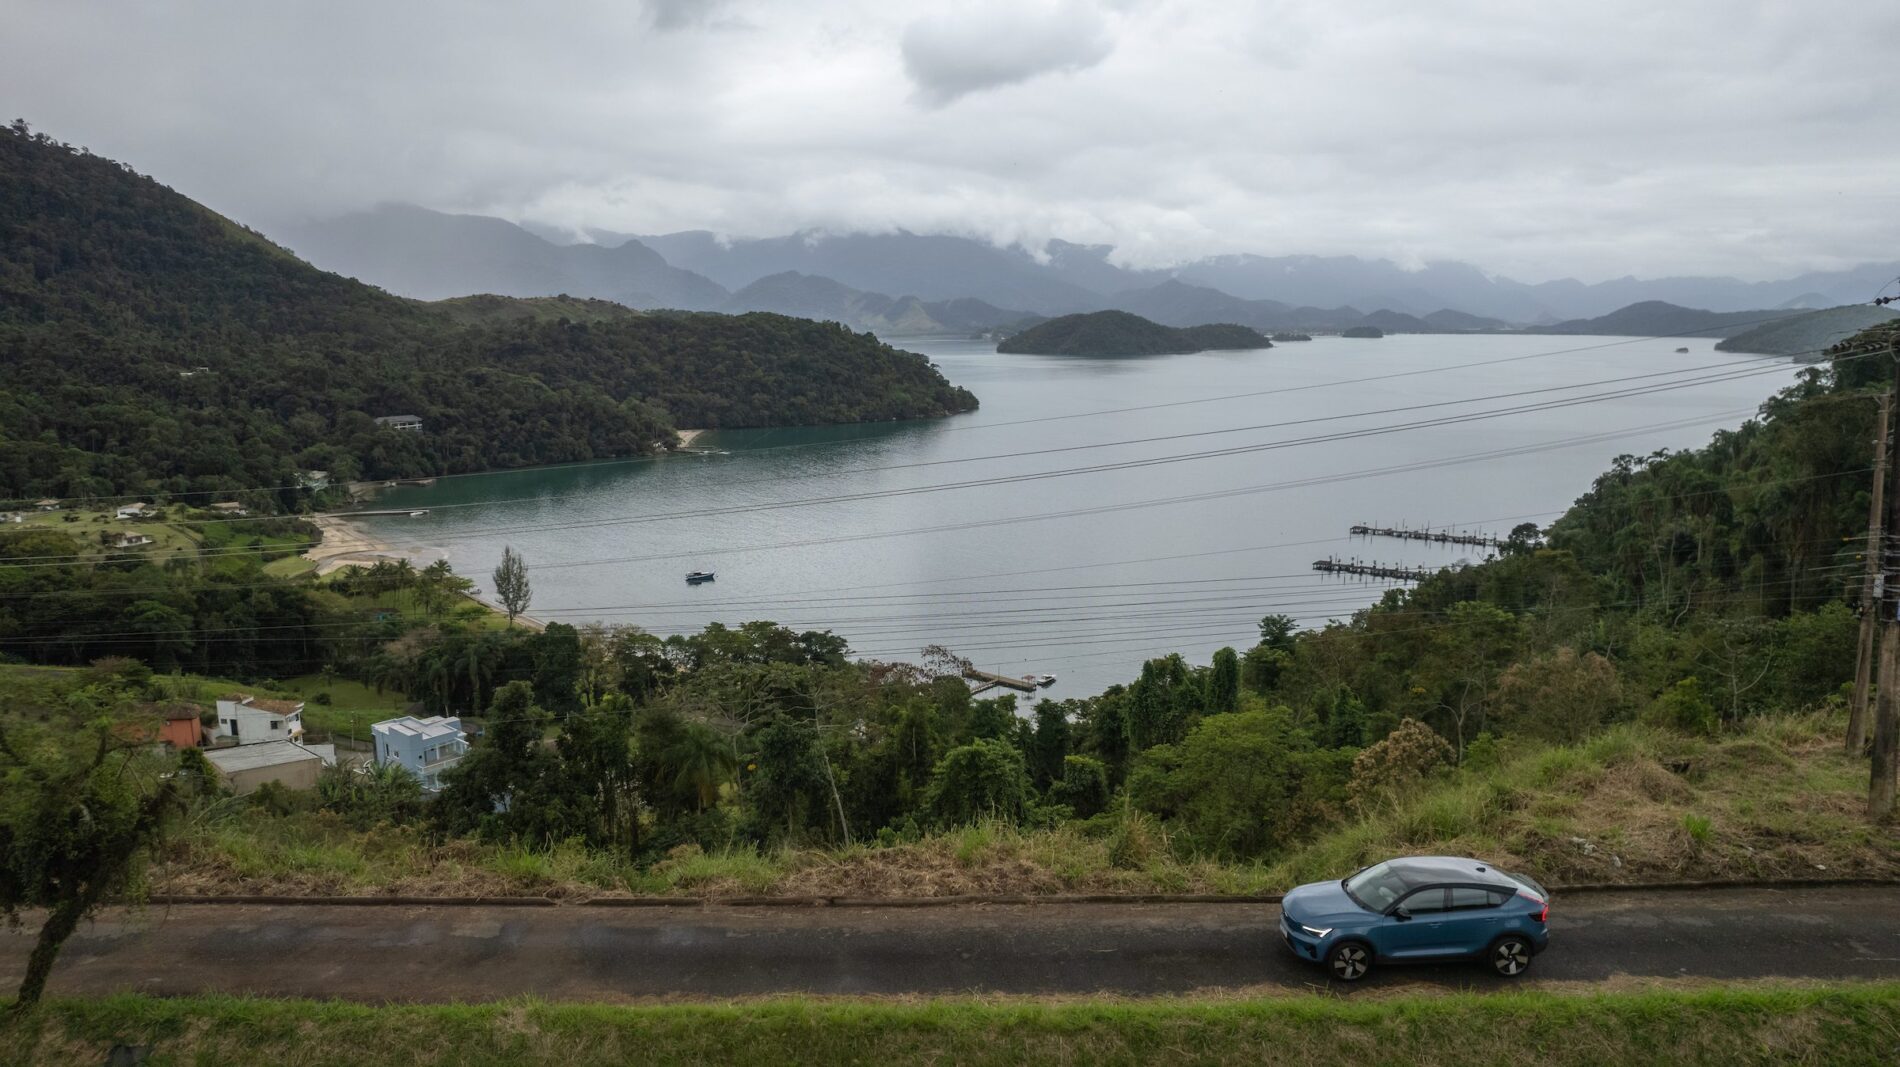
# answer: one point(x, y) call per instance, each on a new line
point(930, 267)
point(813, 297)
point(431, 255)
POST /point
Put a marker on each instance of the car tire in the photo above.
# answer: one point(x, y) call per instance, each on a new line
point(1510, 956)
point(1349, 961)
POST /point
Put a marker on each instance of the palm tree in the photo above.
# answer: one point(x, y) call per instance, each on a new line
point(701, 761)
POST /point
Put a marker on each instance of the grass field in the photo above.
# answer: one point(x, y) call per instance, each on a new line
point(1836, 1026)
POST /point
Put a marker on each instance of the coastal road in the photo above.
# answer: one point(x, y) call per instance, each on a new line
point(397, 953)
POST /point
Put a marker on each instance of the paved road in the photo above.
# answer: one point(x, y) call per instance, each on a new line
point(434, 954)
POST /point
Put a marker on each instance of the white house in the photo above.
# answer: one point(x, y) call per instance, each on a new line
point(230, 507)
point(405, 423)
point(427, 747)
point(134, 510)
point(48, 504)
point(252, 720)
point(130, 540)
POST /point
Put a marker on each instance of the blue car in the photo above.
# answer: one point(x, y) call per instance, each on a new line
point(1419, 909)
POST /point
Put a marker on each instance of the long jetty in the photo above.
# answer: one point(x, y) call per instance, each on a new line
point(1334, 565)
point(1437, 537)
point(991, 680)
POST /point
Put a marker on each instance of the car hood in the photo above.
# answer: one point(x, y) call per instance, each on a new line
point(1321, 904)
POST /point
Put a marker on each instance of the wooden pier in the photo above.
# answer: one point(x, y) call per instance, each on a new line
point(1437, 537)
point(1334, 565)
point(991, 681)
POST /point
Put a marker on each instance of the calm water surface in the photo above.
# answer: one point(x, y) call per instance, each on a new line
point(1019, 536)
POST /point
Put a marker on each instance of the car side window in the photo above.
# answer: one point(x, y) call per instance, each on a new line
point(1425, 900)
point(1463, 898)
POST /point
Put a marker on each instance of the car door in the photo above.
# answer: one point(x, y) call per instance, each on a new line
point(1474, 918)
point(1412, 929)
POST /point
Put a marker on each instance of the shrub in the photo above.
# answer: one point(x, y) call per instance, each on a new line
point(1685, 708)
point(1404, 758)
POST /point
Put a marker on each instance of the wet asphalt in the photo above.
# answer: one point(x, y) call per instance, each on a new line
point(398, 953)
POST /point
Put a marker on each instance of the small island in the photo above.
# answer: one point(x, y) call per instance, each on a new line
point(1118, 333)
point(1362, 331)
point(1288, 335)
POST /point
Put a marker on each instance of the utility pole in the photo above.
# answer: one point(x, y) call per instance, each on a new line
point(1886, 754)
point(1873, 549)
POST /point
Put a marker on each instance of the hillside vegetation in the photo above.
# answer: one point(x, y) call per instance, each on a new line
point(1657, 318)
point(1808, 336)
point(153, 346)
point(1118, 333)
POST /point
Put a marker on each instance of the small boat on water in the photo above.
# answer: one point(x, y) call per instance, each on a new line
point(1682, 350)
point(1041, 680)
point(696, 577)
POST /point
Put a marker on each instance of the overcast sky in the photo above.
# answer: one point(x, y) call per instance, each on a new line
point(1534, 139)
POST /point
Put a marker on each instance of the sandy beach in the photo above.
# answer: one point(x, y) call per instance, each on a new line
point(687, 437)
point(345, 544)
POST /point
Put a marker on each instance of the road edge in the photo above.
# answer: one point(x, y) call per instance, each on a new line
point(1038, 899)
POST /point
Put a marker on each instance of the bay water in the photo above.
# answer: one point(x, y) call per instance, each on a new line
point(1093, 512)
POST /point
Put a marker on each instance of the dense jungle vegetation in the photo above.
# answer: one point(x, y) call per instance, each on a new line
point(152, 346)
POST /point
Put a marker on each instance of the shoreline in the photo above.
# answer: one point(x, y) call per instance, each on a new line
point(349, 544)
point(687, 437)
point(345, 544)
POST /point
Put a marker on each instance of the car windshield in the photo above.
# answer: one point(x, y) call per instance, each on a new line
point(1376, 887)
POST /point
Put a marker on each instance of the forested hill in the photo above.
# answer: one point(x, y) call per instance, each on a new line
point(1655, 318)
point(151, 345)
point(1118, 333)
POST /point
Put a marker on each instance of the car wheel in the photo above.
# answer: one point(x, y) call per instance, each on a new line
point(1511, 956)
point(1349, 961)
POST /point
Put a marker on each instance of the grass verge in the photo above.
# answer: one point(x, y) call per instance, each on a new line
point(1847, 1025)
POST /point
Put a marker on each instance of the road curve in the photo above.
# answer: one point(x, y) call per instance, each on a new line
point(573, 953)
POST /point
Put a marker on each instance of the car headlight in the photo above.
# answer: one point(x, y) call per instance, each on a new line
point(1316, 931)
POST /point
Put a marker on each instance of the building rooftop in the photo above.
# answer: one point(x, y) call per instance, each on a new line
point(281, 707)
point(262, 754)
point(410, 726)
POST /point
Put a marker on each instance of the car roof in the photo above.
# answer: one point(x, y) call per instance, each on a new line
point(1424, 870)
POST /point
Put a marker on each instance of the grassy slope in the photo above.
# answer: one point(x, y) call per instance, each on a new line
point(1779, 800)
point(1634, 806)
point(1851, 1025)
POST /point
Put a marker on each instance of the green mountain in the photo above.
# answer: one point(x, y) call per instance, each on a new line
point(154, 346)
point(1118, 333)
point(1656, 318)
point(1807, 336)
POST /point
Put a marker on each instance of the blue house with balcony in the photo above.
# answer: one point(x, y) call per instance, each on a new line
point(426, 747)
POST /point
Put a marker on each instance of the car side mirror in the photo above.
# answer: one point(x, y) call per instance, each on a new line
point(1401, 914)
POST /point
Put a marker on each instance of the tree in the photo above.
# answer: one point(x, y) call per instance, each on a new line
point(1083, 786)
point(983, 778)
point(1559, 697)
point(1223, 682)
point(1239, 785)
point(511, 583)
point(77, 812)
point(1049, 744)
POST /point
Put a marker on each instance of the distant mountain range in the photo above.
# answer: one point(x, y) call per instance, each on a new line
point(921, 283)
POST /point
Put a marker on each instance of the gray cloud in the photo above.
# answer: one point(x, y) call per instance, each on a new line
point(1001, 42)
point(1622, 137)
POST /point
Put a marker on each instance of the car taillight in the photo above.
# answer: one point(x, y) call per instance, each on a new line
point(1543, 914)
